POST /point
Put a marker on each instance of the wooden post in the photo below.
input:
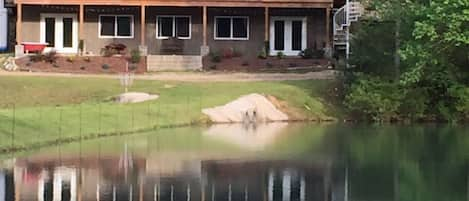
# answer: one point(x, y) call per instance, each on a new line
point(19, 23)
point(328, 27)
point(266, 26)
point(82, 18)
point(205, 25)
point(142, 25)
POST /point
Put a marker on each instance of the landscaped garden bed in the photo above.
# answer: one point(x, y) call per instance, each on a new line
point(85, 64)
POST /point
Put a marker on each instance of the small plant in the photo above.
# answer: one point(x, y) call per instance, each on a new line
point(87, 59)
point(245, 63)
point(50, 57)
point(280, 55)
point(70, 59)
point(133, 67)
point(105, 66)
point(237, 53)
point(55, 65)
point(112, 49)
point(36, 57)
point(262, 54)
point(82, 68)
point(135, 56)
point(310, 53)
point(215, 57)
point(228, 53)
point(81, 46)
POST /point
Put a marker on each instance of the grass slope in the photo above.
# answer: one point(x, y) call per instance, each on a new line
point(47, 109)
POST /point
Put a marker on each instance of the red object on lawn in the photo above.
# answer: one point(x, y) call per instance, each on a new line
point(34, 47)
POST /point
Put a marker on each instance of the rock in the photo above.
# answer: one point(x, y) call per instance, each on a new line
point(249, 108)
point(135, 97)
point(10, 64)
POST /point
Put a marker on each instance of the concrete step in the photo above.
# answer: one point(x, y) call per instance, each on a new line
point(173, 62)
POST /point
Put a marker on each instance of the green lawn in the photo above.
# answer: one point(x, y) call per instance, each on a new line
point(47, 109)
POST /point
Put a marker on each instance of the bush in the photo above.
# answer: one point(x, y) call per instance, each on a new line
point(50, 57)
point(215, 57)
point(374, 98)
point(112, 49)
point(237, 53)
point(70, 59)
point(105, 66)
point(81, 46)
point(280, 55)
point(262, 54)
point(87, 59)
point(228, 53)
point(461, 94)
point(310, 53)
point(135, 56)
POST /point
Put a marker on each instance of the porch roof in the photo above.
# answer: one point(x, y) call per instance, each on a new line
point(190, 3)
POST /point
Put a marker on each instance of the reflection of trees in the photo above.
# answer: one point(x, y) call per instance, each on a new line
point(406, 163)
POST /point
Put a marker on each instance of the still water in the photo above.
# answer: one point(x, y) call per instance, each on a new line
point(274, 162)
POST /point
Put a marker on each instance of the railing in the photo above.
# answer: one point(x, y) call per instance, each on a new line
point(340, 19)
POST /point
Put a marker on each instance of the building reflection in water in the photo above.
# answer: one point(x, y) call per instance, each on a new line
point(103, 180)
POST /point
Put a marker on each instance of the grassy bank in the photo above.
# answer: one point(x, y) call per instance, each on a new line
point(41, 110)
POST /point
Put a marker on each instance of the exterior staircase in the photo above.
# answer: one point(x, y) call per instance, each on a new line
point(343, 19)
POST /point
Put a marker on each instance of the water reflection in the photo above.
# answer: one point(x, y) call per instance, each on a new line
point(297, 163)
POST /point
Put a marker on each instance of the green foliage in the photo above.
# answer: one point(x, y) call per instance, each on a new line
point(310, 53)
point(280, 55)
point(215, 56)
point(262, 54)
point(135, 56)
point(105, 66)
point(374, 98)
point(433, 41)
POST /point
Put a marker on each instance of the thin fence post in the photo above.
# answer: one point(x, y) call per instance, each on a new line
point(117, 118)
point(60, 122)
point(13, 125)
point(133, 116)
point(148, 113)
point(158, 115)
point(99, 117)
point(80, 122)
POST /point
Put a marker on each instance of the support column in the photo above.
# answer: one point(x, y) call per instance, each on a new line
point(19, 49)
point(204, 50)
point(328, 48)
point(81, 22)
point(266, 26)
point(143, 47)
point(19, 23)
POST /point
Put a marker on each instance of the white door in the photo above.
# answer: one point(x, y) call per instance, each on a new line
point(60, 31)
point(287, 35)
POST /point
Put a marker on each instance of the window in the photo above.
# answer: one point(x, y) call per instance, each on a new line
point(173, 26)
point(116, 26)
point(231, 28)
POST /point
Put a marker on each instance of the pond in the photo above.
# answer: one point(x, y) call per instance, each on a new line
point(273, 162)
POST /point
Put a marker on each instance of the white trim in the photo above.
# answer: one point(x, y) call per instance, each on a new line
point(58, 46)
point(174, 27)
point(132, 24)
point(231, 28)
point(287, 33)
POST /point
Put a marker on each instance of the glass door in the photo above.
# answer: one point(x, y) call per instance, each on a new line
point(60, 31)
point(287, 35)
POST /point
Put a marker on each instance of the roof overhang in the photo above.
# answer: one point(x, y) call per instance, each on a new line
point(188, 3)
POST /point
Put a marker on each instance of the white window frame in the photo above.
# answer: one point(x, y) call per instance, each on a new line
point(174, 27)
point(231, 28)
point(58, 34)
point(132, 25)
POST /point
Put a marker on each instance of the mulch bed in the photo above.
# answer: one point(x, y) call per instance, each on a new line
point(94, 65)
point(273, 64)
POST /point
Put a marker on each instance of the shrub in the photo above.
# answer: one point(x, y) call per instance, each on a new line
point(87, 59)
point(310, 53)
point(82, 67)
point(81, 46)
point(245, 63)
point(228, 53)
point(280, 55)
point(50, 57)
point(374, 98)
point(237, 53)
point(262, 54)
point(71, 59)
point(135, 56)
point(112, 49)
point(105, 66)
point(215, 57)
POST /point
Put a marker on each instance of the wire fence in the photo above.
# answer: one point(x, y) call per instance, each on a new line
point(23, 128)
